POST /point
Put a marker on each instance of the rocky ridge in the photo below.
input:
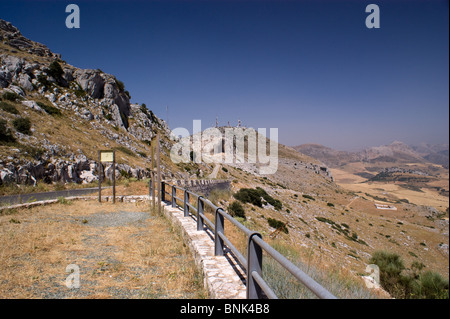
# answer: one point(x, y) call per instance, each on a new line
point(36, 80)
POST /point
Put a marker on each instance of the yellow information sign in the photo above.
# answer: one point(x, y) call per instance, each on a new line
point(106, 156)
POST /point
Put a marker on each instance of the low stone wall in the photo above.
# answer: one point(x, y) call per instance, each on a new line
point(203, 186)
point(223, 277)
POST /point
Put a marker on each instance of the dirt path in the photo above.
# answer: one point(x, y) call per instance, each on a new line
point(121, 251)
point(351, 202)
point(215, 171)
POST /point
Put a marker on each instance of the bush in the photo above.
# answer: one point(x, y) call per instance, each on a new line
point(42, 78)
point(248, 195)
point(431, 285)
point(236, 210)
point(49, 109)
point(10, 96)
point(8, 108)
point(22, 125)
point(55, 70)
point(253, 196)
point(308, 197)
point(428, 285)
point(5, 132)
point(120, 85)
point(275, 223)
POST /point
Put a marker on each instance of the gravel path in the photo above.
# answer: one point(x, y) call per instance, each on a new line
point(121, 251)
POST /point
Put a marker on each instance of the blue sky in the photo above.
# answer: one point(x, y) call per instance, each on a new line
point(309, 68)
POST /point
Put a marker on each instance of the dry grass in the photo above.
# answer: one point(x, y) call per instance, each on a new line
point(140, 259)
point(394, 191)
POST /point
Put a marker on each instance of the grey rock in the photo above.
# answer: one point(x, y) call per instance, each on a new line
point(32, 105)
point(25, 82)
point(91, 82)
point(7, 176)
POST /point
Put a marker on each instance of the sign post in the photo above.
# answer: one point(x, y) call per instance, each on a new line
point(108, 156)
point(158, 172)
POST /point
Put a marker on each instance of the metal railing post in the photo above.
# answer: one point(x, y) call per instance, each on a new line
point(254, 264)
point(219, 227)
point(186, 201)
point(174, 194)
point(200, 206)
point(163, 191)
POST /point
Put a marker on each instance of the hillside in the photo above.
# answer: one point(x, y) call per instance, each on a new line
point(54, 117)
point(396, 152)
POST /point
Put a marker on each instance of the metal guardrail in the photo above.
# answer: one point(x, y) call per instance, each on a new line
point(257, 287)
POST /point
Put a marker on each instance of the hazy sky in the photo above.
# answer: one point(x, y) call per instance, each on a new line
point(309, 68)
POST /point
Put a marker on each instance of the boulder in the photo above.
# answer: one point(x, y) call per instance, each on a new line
point(32, 105)
point(7, 176)
point(25, 82)
point(91, 82)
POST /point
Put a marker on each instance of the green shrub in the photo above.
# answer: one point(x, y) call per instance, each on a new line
point(248, 195)
point(55, 70)
point(308, 197)
point(10, 96)
point(79, 92)
point(8, 108)
point(22, 125)
point(236, 210)
point(5, 132)
point(42, 78)
point(275, 223)
point(253, 196)
point(330, 204)
point(431, 285)
point(391, 266)
point(49, 109)
point(120, 85)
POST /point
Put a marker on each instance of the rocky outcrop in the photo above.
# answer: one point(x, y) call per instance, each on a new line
point(81, 170)
point(88, 97)
point(12, 36)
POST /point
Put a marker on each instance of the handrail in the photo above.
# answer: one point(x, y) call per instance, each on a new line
point(257, 287)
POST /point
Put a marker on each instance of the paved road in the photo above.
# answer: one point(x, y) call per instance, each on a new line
point(24, 198)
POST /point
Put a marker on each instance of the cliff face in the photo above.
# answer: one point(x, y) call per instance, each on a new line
point(72, 113)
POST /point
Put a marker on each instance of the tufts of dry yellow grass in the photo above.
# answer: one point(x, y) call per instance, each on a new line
point(138, 259)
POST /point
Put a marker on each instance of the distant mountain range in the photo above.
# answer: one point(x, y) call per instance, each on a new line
point(396, 152)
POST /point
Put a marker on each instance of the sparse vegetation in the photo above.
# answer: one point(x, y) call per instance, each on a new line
point(255, 196)
point(399, 284)
point(286, 287)
point(278, 224)
point(7, 107)
point(22, 125)
point(55, 71)
point(5, 133)
point(236, 210)
point(49, 109)
point(10, 96)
